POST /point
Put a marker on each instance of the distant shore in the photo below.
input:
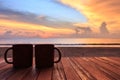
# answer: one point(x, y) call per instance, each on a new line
point(77, 45)
point(80, 51)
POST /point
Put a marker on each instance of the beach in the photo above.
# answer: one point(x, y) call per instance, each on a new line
point(90, 51)
point(80, 51)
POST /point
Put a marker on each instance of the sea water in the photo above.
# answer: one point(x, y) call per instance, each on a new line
point(64, 42)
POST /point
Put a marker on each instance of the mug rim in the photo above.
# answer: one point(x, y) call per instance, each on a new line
point(44, 44)
point(21, 44)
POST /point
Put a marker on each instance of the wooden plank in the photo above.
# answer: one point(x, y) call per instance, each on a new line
point(91, 68)
point(3, 64)
point(18, 74)
point(1, 58)
point(73, 68)
point(4, 68)
point(32, 74)
point(114, 67)
point(106, 69)
point(113, 60)
point(117, 66)
point(6, 72)
point(58, 72)
point(71, 74)
point(84, 74)
point(1, 61)
point(45, 74)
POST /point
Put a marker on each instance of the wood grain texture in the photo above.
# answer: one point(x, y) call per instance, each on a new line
point(58, 72)
point(70, 68)
point(73, 66)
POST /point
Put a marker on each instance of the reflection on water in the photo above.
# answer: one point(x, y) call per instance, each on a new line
point(66, 42)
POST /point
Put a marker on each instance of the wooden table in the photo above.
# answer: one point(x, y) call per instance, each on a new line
point(70, 68)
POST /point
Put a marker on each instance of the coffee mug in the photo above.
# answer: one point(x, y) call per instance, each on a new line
point(44, 55)
point(22, 55)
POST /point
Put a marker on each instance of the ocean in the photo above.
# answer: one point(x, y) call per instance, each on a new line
point(64, 42)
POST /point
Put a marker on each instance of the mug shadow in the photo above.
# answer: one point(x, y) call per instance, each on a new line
point(30, 73)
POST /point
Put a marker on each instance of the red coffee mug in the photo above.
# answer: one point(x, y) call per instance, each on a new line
point(44, 55)
point(22, 55)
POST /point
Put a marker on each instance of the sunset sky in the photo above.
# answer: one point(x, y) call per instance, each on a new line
point(59, 18)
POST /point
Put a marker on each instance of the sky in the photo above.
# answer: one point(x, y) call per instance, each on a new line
point(59, 18)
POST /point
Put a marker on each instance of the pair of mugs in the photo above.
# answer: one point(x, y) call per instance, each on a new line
point(23, 55)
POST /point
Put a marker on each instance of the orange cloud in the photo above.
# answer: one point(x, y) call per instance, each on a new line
point(32, 30)
point(98, 11)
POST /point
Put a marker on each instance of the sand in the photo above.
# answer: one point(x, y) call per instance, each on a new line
point(80, 51)
point(2, 51)
point(90, 51)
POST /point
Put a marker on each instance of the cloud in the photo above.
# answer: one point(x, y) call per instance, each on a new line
point(26, 24)
point(22, 33)
point(103, 29)
point(98, 11)
point(27, 17)
point(19, 16)
point(83, 30)
point(20, 29)
point(7, 33)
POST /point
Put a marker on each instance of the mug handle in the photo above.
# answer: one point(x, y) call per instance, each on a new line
point(5, 56)
point(59, 55)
